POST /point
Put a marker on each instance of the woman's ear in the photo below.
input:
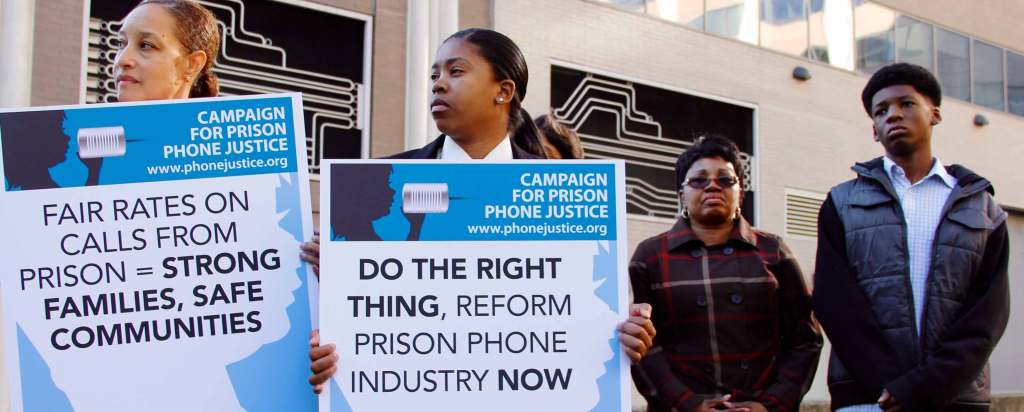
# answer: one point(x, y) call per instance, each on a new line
point(506, 91)
point(194, 64)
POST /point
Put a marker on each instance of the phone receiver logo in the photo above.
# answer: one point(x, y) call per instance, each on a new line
point(425, 198)
point(100, 142)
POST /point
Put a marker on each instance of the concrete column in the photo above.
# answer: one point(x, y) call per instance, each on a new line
point(444, 20)
point(429, 22)
point(17, 24)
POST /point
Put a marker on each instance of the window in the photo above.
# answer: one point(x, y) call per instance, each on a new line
point(686, 12)
point(631, 5)
point(732, 18)
point(873, 33)
point(1015, 82)
point(953, 53)
point(859, 35)
point(831, 32)
point(781, 12)
point(914, 42)
point(988, 75)
point(784, 26)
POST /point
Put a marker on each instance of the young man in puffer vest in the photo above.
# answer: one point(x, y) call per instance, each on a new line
point(910, 281)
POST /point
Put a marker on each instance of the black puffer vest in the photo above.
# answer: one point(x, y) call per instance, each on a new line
point(876, 245)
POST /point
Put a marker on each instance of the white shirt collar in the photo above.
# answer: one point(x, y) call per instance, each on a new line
point(937, 170)
point(451, 150)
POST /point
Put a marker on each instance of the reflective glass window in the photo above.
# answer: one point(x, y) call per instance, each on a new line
point(953, 55)
point(914, 42)
point(873, 35)
point(988, 75)
point(1015, 82)
point(831, 32)
point(631, 5)
point(737, 19)
point(784, 26)
point(687, 12)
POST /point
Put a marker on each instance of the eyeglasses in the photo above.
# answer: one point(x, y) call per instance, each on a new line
point(702, 182)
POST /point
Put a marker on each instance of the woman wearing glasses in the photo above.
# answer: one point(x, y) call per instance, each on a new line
point(730, 304)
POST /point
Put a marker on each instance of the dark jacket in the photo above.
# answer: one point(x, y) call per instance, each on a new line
point(863, 298)
point(733, 318)
point(432, 149)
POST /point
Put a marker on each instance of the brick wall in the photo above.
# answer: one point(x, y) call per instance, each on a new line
point(57, 55)
point(475, 13)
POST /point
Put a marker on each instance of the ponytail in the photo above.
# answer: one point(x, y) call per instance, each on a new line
point(206, 85)
point(524, 132)
point(508, 63)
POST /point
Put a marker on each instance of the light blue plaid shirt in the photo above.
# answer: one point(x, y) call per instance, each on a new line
point(922, 204)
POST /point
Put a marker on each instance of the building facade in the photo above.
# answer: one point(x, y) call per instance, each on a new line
point(637, 79)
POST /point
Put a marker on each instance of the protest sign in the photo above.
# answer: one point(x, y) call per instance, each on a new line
point(461, 286)
point(150, 259)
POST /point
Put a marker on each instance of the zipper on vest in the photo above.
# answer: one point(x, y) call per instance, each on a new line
point(927, 287)
point(887, 186)
point(954, 196)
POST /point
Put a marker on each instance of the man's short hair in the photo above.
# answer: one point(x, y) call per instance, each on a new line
point(900, 74)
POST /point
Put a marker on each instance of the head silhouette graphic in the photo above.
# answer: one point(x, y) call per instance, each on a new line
point(362, 194)
point(33, 142)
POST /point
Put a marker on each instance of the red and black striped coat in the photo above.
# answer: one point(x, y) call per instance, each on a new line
point(732, 319)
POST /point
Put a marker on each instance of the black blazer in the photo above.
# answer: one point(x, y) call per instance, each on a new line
point(432, 149)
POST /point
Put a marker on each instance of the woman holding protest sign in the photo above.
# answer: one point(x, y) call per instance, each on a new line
point(166, 50)
point(730, 301)
point(479, 83)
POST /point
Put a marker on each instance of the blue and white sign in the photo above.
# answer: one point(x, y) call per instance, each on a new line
point(468, 286)
point(151, 259)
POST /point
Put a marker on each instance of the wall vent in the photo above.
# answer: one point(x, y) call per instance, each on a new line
point(802, 208)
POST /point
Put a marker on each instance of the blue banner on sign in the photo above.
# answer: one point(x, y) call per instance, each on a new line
point(114, 144)
point(431, 201)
